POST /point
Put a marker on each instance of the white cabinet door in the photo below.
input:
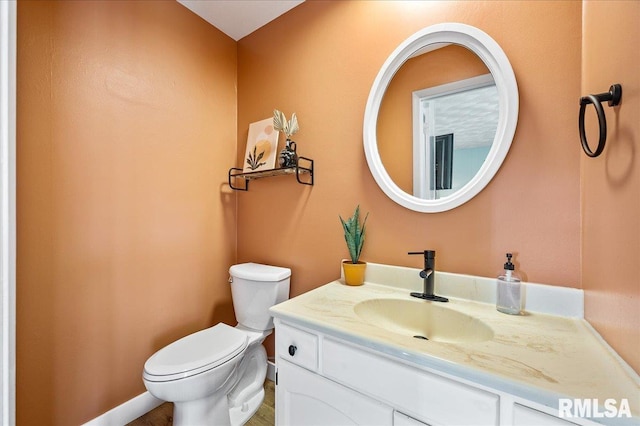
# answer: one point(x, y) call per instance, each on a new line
point(423, 395)
point(400, 419)
point(525, 416)
point(304, 399)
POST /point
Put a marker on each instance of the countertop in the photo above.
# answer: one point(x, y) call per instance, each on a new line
point(535, 356)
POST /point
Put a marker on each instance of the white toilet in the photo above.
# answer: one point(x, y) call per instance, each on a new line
point(216, 376)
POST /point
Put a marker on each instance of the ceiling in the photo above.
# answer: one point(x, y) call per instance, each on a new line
point(238, 18)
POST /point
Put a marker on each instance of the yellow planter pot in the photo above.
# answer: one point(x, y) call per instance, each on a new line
point(354, 272)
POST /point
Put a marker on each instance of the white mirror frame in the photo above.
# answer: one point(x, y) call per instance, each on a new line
point(496, 60)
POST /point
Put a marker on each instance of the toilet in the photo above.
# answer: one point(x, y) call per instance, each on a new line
point(216, 376)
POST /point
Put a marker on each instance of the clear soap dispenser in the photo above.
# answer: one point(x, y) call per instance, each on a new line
point(509, 298)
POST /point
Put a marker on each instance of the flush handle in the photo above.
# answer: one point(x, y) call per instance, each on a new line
point(292, 350)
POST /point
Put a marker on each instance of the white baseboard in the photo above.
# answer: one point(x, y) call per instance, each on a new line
point(142, 404)
point(127, 412)
point(271, 371)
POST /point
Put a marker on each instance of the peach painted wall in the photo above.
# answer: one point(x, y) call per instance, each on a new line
point(126, 129)
point(320, 59)
point(127, 124)
point(611, 182)
point(395, 120)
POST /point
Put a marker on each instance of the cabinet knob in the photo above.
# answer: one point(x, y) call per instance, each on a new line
point(292, 350)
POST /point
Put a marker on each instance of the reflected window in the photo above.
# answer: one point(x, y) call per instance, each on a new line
point(468, 109)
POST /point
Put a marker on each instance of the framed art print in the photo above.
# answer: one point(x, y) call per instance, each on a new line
point(262, 144)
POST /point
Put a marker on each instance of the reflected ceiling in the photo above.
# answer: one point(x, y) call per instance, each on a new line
point(472, 113)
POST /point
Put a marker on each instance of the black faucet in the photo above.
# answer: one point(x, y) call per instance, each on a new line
point(427, 275)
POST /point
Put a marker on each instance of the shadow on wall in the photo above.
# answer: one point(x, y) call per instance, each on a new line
point(619, 162)
point(223, 312)
point(169, 336)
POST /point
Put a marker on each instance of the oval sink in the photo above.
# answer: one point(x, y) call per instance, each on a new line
point(423, 320)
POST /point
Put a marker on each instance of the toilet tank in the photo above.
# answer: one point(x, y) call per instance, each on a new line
point(255, 288)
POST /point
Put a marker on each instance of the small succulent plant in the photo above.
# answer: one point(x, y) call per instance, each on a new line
point(354, 233)
point(280, 123)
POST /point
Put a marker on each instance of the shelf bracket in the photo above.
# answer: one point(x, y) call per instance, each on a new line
point(308, 169)
point(233, 176)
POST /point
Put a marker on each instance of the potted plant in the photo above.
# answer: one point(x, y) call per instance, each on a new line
point(354, 233)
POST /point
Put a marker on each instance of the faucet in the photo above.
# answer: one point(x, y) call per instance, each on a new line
point(427, 275)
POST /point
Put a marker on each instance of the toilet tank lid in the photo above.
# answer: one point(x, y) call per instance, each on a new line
point(259, 272)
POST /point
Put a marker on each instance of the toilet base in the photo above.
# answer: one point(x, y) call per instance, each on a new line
point(237, 399)
point(216, 411)
point(205, 411)
point(239, 416)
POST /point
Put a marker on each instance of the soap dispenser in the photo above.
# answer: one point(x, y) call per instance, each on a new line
point(509, 300)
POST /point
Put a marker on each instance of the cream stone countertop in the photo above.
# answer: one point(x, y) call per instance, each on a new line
point(538, 357)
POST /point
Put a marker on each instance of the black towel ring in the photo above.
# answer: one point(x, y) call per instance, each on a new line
point(613, 97)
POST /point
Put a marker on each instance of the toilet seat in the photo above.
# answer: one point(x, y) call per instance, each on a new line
point(195, 353)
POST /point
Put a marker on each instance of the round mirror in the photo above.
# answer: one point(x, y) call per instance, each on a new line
point(440, 117)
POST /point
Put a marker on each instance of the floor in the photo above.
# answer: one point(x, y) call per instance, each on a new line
point(163, 415)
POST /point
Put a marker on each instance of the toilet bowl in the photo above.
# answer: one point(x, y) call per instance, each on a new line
point(216, 376)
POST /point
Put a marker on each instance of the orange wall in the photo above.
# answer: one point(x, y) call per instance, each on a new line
point(127, 125)
point(395, 119)
point(611, 182)
point(320, 59)
point(126, 129)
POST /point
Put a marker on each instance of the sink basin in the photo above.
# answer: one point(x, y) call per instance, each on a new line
point(423, 320)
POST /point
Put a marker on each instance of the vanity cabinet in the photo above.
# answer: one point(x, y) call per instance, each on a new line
point(305, 398)
point(400, 419)
point(525, 416)
point(324, 380)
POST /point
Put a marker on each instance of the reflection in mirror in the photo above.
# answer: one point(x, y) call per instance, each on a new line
point(454, 126)
point(436, 79)
point(424, 95)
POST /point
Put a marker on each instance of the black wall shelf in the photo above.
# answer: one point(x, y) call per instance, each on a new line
point(303, 170)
